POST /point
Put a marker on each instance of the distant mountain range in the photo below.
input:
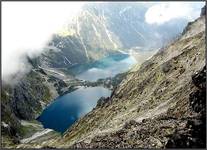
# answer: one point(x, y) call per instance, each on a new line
point(102, 29)
point(154, 105)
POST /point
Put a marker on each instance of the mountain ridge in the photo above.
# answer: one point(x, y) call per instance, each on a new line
point(170, 72)
point(140, 99)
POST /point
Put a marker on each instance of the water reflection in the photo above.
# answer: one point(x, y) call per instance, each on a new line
point(110, 69)
point(65, 110)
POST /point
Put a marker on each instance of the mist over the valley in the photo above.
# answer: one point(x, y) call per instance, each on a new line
point(103, 75)
point(27, 27)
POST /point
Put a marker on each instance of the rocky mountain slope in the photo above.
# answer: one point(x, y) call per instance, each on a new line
point(100, 29)
point(160, 104)
point(23, 102)
point(154, 106)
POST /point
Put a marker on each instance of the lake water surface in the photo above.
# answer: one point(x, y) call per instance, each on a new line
point(66, 109)
point(107, 67)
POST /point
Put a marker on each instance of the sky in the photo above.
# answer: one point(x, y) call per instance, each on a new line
point(164, 12)
point(28, 26)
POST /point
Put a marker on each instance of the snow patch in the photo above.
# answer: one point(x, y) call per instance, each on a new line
point(36, 135)
point(4, 124)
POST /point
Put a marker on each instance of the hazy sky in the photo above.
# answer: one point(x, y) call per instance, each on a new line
point(163, 12)
point(27, 26)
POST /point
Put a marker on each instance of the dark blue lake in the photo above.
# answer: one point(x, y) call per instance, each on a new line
point(65, 110)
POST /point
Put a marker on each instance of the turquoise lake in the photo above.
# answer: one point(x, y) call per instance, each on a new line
point(66, 109)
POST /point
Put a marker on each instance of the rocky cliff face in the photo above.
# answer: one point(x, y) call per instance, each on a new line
point(86, 39)
point(100, 30)
point(194, 133)
point(25, 101)
point(159, 105)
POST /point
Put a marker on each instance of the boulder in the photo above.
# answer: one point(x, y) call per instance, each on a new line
point(102, 101)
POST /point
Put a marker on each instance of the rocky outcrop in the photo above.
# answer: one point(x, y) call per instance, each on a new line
point(194, 134)
point(10, 124)
point(102, 101)
point(25, 101)
point(27, 96)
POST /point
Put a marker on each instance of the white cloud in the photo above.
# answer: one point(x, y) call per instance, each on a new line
point(26, 27)
point(164, 12)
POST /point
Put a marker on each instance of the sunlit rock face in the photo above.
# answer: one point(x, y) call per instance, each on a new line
point(103, 29)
